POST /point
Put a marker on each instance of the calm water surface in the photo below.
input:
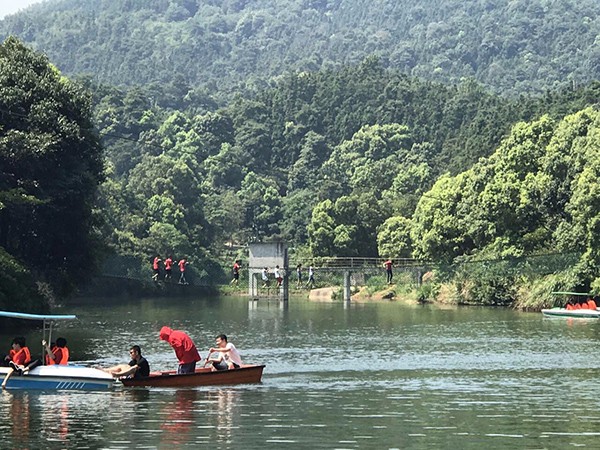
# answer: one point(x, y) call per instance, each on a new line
point(377, 376)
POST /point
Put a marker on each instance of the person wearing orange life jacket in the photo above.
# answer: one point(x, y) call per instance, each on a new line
point(591, 303)
point(58, 353)
point(19, 353)
point(17, 358)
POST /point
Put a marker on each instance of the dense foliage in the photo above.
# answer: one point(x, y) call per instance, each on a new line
point(334, 161)
point(538, 193)
point(185, 182)
point(232, 121)
point(230, 46)
point(50, 166)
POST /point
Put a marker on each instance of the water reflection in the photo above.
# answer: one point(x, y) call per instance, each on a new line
point(438, 378)
point(19, 417)
point(223, 403)
point(179, 417)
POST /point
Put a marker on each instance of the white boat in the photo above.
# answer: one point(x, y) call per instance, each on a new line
point(576, 313)
point(55, 377)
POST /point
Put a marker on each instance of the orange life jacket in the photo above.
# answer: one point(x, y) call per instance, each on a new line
point(21, 357)
point(576, 306)
point(592, 304)
point(584, 306)
point(569, 306)
point(64, 356)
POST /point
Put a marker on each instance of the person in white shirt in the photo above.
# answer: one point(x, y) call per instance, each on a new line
point(265, 277)
point(311, 277)
point(278, 276)
point(228, 356)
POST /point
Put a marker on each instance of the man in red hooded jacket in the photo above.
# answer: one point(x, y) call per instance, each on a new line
point(184, 347)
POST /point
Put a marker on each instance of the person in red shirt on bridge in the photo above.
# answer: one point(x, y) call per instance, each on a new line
point(182, 263)
point(236, 272)
point(156, 267)
point(168, 268)
point(388, 269)
point(184, 347)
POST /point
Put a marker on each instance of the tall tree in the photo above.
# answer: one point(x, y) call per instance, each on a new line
point(50, 167)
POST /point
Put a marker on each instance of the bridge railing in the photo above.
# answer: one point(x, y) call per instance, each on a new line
point(362, 263)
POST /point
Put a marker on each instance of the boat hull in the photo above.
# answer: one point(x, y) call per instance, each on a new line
point(58, 377)
point(574, 313)
point(246, 374)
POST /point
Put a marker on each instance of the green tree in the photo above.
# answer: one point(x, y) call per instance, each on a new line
point(51, 156)
point(393, 238)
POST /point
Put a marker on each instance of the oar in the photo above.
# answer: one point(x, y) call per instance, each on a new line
point(207, 358)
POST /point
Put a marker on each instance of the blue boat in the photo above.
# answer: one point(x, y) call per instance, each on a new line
point(54, 377)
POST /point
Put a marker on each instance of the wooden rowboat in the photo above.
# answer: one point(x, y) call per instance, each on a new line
point(205, 376)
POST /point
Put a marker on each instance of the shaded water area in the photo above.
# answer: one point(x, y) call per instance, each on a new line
point(383, 376)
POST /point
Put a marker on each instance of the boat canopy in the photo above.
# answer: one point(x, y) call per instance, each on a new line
point(44, 317)
point(581, 294)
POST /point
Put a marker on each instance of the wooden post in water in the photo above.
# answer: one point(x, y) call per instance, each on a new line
point(347, 297)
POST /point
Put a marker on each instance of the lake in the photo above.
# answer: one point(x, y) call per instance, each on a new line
point(364, 375)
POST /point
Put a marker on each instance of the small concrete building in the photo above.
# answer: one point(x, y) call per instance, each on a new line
point(267, 254)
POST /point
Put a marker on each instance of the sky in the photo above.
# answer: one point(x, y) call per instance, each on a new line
point(12, 6)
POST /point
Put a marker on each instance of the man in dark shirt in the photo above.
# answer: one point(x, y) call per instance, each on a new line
point(138, 367)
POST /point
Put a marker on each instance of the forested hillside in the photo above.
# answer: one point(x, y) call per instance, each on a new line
point(222, 47)
point(234, 121)
point(334, 162)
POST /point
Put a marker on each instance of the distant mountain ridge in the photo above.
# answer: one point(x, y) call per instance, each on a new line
point(510, 46)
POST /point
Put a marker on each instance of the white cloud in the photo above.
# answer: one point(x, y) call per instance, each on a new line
point(12, 6)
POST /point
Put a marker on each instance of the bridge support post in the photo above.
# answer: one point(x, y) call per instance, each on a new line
point(346, 285)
